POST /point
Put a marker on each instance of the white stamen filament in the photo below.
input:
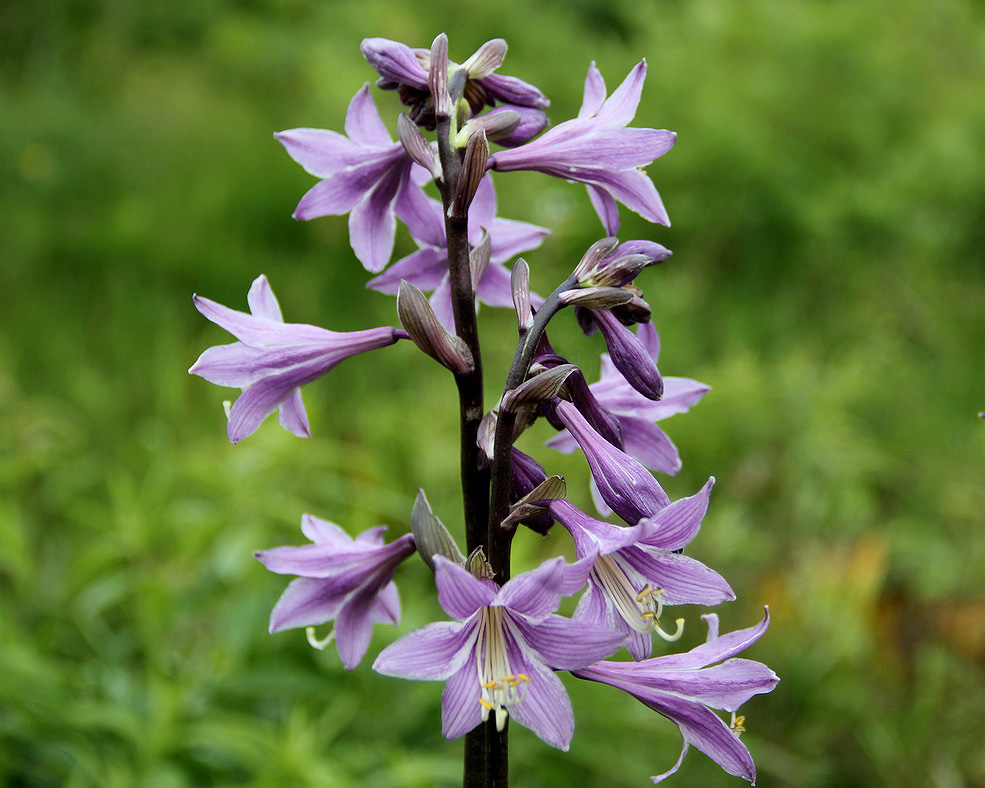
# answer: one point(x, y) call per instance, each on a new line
point(641, 610)
point(319, 643)
point(501, 687)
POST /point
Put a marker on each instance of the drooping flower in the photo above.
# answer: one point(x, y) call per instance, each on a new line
point(624, 484)
point(686, 687)
point(637, 570)
point(427, 268)
point(405, 70)
point(636, 414)
point(363, 173)
point(273, 359)
point(497, 657)
point(598, 149)
point(341, 579)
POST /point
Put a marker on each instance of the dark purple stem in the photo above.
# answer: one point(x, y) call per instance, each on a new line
point(499, 539)
point(486, 755)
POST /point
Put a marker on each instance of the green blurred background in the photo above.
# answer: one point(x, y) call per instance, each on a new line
point(828, 198)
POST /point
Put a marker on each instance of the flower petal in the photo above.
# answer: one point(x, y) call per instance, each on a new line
point(459, 593)
point(546, 708)
point(677, 524)
point(650, 445)
point(424, 269)
point(262, 301)
point(293, 417)
point(538, 593)
point(606, 208)
point(320, 152)
point(566, 644)
point(460, 708)
point(594, 95)
point(305, 602)
point(432, 653)
point(362, 121)
point(684, 580)
point(620, 107)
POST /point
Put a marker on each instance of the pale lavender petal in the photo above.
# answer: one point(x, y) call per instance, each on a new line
point(354, 628)
point(594, 606)
point(459, 593)
point(509, 237)
point(546, 708)
point(640, 646)
point(424, 269)
point(374, 536)
point(537, 593)
point(495, 287)
point(362, 121)
point(262, 301)
point(683, 579)
point(600, 505)
point(258, 331)
point(236, 365)
point(324, 532)
point(423, 216)
point(387, 605)
point(676, 525)
point(372, 225)
point(441, 305)
point(432, 653)
point(594, 95)
point(320, 152)
point(329, 197)
point(565, 644)
point(713, 651)
point(293, 417)
point(305, 603)
point(483, 208)
point(705, 730)
point(620, 107)
point(346, 564)
point(259, 401)
point(606, 208)
point(726, 686)
point(634, 189)
point(562, 442)
point(460, 707)
point(650, 445)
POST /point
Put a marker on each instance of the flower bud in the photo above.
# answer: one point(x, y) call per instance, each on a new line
point(420, 322)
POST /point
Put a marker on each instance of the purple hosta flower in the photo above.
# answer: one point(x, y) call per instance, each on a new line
point(341, 579)
point(636, 414)
point(686, 687)
point(637, 571)
point(273, 359)
point(427, 268)
point(497, 658)
point(626, 486)
point(405, 69)
point(363, 174)
point(598, 149)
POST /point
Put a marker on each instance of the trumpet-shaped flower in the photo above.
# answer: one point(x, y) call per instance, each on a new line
point(427, 268)
point(636, 414)
point(341, 579)
point(637, 572)
point(598, 149)
point(273, 359)
point(497, 657)
point(686, 687)
point(363, 173)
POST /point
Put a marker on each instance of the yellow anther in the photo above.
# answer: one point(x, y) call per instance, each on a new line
point(738, 723)
point(486, 703)
point(490, 684)
point(523, 677)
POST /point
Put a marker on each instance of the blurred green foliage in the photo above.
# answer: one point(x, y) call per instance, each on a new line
point(828, 197)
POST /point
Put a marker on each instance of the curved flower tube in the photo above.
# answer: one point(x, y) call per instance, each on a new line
point(273, 359)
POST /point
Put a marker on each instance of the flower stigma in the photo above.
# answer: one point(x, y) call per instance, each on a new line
point(319, 643)
point(501, 687)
